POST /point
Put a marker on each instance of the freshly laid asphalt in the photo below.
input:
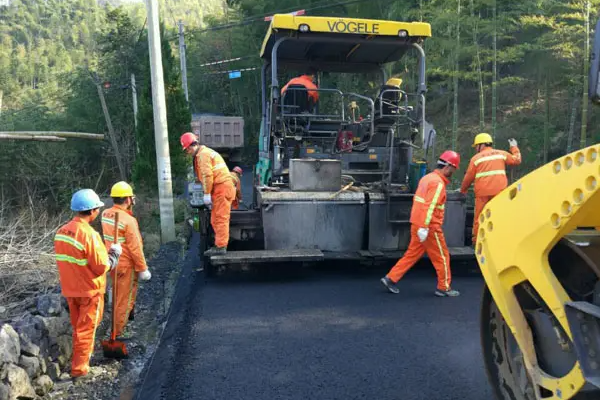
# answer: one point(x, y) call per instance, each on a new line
point(330, 332)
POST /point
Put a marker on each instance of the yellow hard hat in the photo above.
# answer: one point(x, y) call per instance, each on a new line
point(121, 189)
point(482, 138)
point(394, 82)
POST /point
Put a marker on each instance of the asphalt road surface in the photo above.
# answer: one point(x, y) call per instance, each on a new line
point(329, 333)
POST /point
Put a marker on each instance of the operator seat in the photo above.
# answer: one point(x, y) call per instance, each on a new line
point(387, 104)
point(297, 101)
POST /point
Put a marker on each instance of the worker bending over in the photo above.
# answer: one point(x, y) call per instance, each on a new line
point(132, 264)
point(236, 177)
point(306, 80)
point(426, 218)
point(219, 192)
point(488, 169)
point(83, 262)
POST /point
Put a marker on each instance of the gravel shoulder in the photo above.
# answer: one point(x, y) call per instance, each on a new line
point(110, 379)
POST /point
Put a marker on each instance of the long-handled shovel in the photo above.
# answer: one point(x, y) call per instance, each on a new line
point(113, 348)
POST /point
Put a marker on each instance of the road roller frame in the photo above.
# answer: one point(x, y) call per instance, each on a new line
point(518, 229)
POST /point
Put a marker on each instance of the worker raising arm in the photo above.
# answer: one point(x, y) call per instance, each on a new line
point(219, 192)
point(132, 264)
point(487, 169)
point(83, 262)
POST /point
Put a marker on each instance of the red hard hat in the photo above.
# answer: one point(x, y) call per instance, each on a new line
point(238, 170)
point(187, 139)
point(451, 157)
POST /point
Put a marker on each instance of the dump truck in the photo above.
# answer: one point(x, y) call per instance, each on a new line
point(224, 134)
point(539, 251)
point(336, 181)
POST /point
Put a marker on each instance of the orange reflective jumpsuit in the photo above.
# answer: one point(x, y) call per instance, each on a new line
point(212, 172)
point(238, 190)
point(131, 262)
point(488, 169)
point(82, 263)
point(305, 81)
point(427, 212)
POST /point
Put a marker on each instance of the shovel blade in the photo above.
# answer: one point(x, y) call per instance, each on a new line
point(114, 349)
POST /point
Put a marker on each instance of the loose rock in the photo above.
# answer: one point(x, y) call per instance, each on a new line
point(4, 392)
point(49, 305)
point(28, 347)
point(42, 365)
point(32, 326)
point(10, 348)
point(43, 385)
point(53, 371)
point(65, 346)
point(31, 365)
point(19, 384)
point(56, 327)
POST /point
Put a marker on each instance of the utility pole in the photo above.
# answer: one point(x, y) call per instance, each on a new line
point(135, 110)
point(111, 131)
point(161, 138)
point(182, 61)
point(134, 97)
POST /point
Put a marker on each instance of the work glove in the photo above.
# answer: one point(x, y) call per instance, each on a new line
point(144, 275)
point(114, 253)
point(422, 234)
point(207, 201)
point(512, 142)
point(116, 249)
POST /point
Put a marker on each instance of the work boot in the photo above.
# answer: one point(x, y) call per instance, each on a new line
point(447, 293)
point(215, 251)
point(387, 282)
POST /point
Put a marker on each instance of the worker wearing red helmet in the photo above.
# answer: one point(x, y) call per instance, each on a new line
point(426, 235)
point(236, 177)
point(219, 192)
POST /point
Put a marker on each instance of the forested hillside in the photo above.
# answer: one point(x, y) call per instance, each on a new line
point(510, 68)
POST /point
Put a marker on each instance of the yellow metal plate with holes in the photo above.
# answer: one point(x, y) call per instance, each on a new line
point(519, 227)
point(310, 151)
point(373, 156)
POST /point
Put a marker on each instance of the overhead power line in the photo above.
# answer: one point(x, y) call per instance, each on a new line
point(250, 20)
point(224, 61)
point(231, 70)
point(261, 18)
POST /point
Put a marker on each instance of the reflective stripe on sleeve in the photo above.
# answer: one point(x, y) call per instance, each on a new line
point(73, 260)
point(68, 239)
point(433, 204)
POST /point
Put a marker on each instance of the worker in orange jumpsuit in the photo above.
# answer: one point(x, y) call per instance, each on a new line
point(132, 264)
point(83, 263)
point(219, 192)
point(426, 235)
point(236, 177)
point(488, 169)
point(306, 80)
